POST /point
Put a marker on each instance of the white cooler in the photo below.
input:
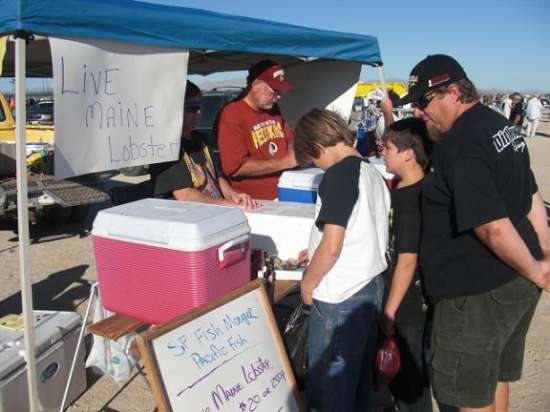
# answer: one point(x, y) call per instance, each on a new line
point(56, 336)
point(281, 228)
point(299, 185)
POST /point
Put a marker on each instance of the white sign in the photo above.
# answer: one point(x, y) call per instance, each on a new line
point(116, 104)
point(225, 360)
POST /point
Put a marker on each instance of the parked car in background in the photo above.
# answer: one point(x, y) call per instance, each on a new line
point(40, 113)
point(212, 102)
point(49, 200)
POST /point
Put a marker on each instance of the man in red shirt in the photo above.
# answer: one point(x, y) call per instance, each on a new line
point(254, 140)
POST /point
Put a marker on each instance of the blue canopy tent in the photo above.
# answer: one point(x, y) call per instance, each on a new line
point(216, 42)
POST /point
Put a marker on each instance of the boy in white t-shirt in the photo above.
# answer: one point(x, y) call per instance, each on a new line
point(343, 281)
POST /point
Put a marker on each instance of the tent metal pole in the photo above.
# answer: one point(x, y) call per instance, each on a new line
point(382, 80)
point(23, 219)
point(93, 294)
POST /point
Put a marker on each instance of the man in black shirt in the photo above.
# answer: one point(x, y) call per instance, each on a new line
point(195, 177)
point(483, 235)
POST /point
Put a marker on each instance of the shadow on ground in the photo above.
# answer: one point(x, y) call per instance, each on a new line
point(64, 290)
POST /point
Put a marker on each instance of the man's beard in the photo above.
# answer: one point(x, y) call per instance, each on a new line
point(434, 134)
point(266, 106)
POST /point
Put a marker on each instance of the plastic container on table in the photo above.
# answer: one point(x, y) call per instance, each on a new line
point(281, 229)
point(159, 258)
point(299, 185)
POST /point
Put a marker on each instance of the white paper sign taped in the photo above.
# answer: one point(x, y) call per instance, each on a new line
point(116, 104)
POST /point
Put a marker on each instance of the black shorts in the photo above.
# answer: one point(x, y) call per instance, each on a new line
point(479, 340)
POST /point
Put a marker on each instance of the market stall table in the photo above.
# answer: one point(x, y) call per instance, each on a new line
point(117, 325)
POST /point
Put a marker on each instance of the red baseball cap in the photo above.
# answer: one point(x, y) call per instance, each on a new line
point(271, 73)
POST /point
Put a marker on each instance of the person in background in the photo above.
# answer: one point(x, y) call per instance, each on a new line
point(405, 309)
point(507, 106)
point(484, 230)
point(343, 281)
point(195, 176)
point(497, 103)
point(533, 114)
point(255, 141)
point(517, 113)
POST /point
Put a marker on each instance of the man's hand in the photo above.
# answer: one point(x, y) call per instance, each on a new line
point(290, 158)
point(543, 279)
point(387, 324)
point(306, 290)
point(303, 257)
point(244, 200)
point(386, 104)
point(387, 110)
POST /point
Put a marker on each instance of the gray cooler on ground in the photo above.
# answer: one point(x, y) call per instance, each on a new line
point(56, 336)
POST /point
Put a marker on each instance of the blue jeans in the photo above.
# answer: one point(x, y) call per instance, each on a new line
point(342, 342)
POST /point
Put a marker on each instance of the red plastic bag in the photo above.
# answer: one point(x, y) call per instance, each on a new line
point(388, 360)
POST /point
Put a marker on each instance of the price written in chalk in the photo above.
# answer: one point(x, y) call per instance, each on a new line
point(250, 374)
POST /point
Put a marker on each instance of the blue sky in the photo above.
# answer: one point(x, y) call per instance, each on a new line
point(501, 44)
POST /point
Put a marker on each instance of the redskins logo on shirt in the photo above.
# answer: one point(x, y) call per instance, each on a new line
point(273, 148)
point(267, 131)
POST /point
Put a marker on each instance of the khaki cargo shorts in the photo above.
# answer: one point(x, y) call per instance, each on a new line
point(479, 340)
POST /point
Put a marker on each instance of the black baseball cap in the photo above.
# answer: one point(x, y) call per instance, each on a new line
point(435, 71)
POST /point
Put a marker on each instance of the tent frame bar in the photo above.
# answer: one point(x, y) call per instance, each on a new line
point(21, 40)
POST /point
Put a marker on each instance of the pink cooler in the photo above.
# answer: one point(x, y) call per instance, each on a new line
point(158, 258)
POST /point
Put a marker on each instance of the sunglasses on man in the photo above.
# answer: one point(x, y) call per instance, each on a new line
point(423, 102)
point(192, 107)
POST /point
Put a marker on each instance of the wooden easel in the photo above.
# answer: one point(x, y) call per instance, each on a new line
point(116, 326)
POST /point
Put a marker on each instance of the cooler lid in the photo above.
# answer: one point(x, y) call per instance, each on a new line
point(304, 179)
point(176, 224)
point(50, 327)
point(287, 209)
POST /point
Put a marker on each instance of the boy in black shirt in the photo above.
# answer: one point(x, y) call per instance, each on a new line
point(405, 311)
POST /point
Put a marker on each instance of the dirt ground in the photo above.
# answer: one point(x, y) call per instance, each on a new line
point(62, 267)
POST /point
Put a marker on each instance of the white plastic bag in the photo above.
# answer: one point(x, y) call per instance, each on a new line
point(110, 356)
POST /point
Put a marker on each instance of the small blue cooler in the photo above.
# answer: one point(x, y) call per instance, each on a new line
point(299, 185)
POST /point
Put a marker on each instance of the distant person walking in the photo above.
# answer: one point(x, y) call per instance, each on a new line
point(507, 106)
point(534, 112)
point(517, 113)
